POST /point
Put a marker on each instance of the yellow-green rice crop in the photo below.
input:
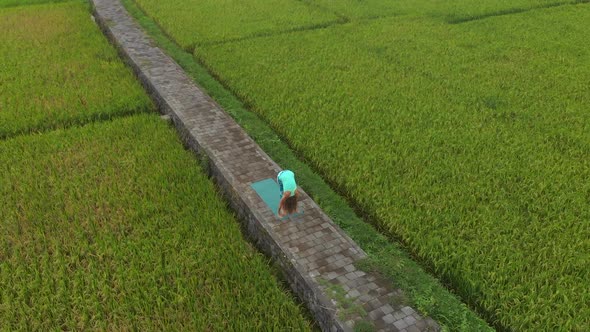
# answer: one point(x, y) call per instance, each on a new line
point(114, 226)
point(14, 3)
point(449, 10)
point(58, 69)
point(470, 142)
point(194, 22)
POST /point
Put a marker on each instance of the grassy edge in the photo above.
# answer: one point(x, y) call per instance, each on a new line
point(43, 2)
point(77, 122)
point(82, 119)
point(389, 259)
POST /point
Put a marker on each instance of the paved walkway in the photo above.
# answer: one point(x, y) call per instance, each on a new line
point(316, 256)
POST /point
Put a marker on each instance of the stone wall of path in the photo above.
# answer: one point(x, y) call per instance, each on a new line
point(317, 258)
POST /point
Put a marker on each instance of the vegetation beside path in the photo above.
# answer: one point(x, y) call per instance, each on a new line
point(114, 226)
point(212, 21)
point(59, 70)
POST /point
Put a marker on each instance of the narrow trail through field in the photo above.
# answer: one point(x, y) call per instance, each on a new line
point(317, 257)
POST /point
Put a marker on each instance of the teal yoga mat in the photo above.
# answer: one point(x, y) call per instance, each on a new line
point(269, 191)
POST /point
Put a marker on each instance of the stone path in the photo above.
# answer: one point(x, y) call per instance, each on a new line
point(316, 256)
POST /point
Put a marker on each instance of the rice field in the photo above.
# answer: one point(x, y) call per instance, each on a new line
point(451, 11)
point(197, 22)
point(108, 223)
point(14, 3)
point(468, 141)
point(57, 69)
point(114, 226)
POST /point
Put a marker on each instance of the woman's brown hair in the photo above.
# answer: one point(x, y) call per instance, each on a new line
point(290, 204)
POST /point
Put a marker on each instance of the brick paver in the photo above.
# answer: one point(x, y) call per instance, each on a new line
point(316, 256)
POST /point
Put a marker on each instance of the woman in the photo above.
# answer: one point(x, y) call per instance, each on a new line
point(289, 193)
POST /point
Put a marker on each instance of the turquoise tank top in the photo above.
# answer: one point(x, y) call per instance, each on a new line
point(287, 178)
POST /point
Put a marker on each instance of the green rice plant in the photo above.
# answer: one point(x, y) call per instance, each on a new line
point(197, 22)
point(468, 142)
point(57, 69)
point(14, 3)
point(449, 11)
point(114, 226)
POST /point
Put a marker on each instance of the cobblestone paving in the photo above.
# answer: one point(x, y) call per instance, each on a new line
point(317, 257)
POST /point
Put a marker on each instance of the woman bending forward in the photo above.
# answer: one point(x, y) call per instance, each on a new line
point(289, 192)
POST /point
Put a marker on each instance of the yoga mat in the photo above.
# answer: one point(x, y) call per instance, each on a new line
point(269, 191)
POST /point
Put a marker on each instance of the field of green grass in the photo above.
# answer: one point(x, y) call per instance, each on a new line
point(449, 11)
point(14, 3)
point(114, 226)
point(57, 69)
point(469, 142)
point(199, 22)
point(109, 223)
